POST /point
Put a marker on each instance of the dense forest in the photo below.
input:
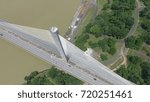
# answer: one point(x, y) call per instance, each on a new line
point(136, 42)
point(136, 71)
point(52, 76)
point(145, 21)
point(115, 20)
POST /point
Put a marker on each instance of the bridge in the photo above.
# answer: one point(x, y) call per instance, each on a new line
point(54, 49)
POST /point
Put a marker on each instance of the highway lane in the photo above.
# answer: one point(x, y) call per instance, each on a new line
point(47, 57)
point(80, 65)
point(59, 63)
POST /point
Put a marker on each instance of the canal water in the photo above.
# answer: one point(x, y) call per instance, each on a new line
point(15, 63)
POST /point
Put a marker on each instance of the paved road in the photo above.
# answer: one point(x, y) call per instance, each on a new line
point(80, 65)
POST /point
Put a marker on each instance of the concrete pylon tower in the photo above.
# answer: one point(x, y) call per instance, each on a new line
point(55, 35)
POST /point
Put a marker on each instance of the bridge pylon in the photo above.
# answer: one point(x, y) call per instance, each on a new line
point(55, 35)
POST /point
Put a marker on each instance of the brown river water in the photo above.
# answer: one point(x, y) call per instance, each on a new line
point(15, 63)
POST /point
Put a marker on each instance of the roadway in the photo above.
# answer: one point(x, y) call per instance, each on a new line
point(80, 65)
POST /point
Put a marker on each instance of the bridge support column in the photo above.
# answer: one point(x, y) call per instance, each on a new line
point(55, 35)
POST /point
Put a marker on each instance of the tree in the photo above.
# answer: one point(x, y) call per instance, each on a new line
point(138, 42)
point(52, 72)
point(146, 72)
point(104, 57)
point(106, 6)
point(92, 45)
point(81, 40)
point(132, 73)
point(103, 45)
point(87, 28)
point(146, 37)
point(134, 60)
point(133, 42)
point(130, 42)
point(122, 71)
point(111, 42)
point(144, 13)
point(112, 51)
point(31, 76)
point(146, 25)
point(95, 29)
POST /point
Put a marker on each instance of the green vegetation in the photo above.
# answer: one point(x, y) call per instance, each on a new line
point(80, 42)
point(132, 72)
point(115, 20)
point(35, 79)
point(134, 60)
point(80, 32)
point(133, 42)
point(136, 71)
point(40, 80)
point(108, 45)
point(111, 27)
point(145, 22)
point(112, 23)
point(102, 3)
point(147, 51)
point(146, 72)
point(62, 78)
point(51, 76)
point(104, 57)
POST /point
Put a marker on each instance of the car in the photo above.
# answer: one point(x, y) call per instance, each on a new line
point(94, 78)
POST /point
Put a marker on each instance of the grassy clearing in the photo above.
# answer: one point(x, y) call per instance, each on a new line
point(85, 21)
point(101, 3)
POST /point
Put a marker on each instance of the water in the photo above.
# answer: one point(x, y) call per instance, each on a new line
point(39, 13)
point(15, 63)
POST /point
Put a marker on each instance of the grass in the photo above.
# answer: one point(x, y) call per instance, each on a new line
point(85, 21)
point(101, 3)
point(89, 17)
point(84, 44)
point(79, 34)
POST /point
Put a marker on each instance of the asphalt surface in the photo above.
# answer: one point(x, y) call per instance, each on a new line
point(80, 65)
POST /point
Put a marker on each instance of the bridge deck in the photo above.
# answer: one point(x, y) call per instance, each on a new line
point(80, 65)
